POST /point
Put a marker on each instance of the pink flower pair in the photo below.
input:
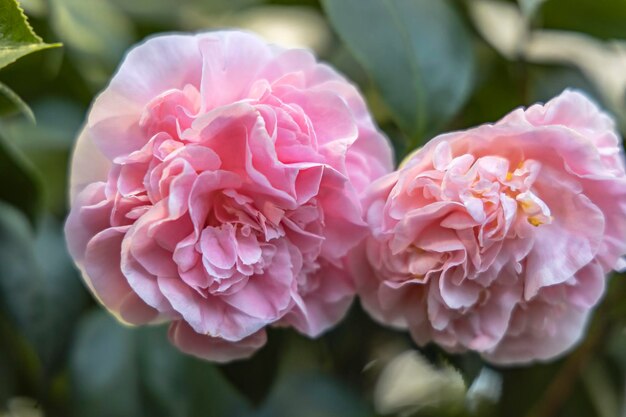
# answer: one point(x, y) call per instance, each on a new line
point(225, 185)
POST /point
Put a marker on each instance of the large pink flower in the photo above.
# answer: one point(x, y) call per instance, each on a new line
point(215, 186)
point(498, 239)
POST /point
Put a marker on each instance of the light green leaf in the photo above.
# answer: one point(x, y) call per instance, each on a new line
point(530, 7)
point(96, 34)
point(16, 36)
point(175, 13)
point(418, 53)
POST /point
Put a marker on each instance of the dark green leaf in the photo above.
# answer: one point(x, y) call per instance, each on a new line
point(48, 144)
point(616, 346)
point(17, 102)
point(120, 371)
point(19, 270)
point(522, 387)
point(312, 395)
point(20, 184)
point(524, 392)
point(8, 367)
point(264, 365)
point(418, 53)
point(63, 296)
point(38, 287)
point(602, 392)
point(103, 369)
point(548, 81)
point(603, 19)
point(177, 385)
point(16, 36)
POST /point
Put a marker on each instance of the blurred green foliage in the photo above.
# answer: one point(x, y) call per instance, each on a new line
point(418, 53)
point(425, 66)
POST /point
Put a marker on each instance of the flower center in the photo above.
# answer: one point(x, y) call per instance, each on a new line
point(517, 185)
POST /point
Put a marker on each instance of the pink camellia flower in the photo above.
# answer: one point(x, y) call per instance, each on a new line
point(498, 239)
point(216, 186)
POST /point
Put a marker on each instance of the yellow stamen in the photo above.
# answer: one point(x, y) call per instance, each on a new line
point(525, 205)
point(537, 221)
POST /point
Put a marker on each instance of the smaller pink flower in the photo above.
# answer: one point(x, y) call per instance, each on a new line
point(498, 239)
point(216, 187)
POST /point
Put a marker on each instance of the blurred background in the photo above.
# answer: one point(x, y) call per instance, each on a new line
point(425, 66)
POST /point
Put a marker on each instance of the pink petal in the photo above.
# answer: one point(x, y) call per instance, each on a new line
point(213, 348)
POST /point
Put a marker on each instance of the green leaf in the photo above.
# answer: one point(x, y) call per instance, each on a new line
point(20, 184)
point(16, 36)
point(17, 102)
point(96, 34)
point(178, 13)
point(63, 296)
point(602, 391)
point(312, 394)
point(530, 7)
point(417, 52)
point(18, 295)
point(34, 7)
point(17, 258)
point(523, 387)
point(39, 288)
point(47, 145)
point(8, 369)
point(177, 385)
point(603, 19)
point(263, 365)
point(549, 81)
point(121, 371)
point(103, 369)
